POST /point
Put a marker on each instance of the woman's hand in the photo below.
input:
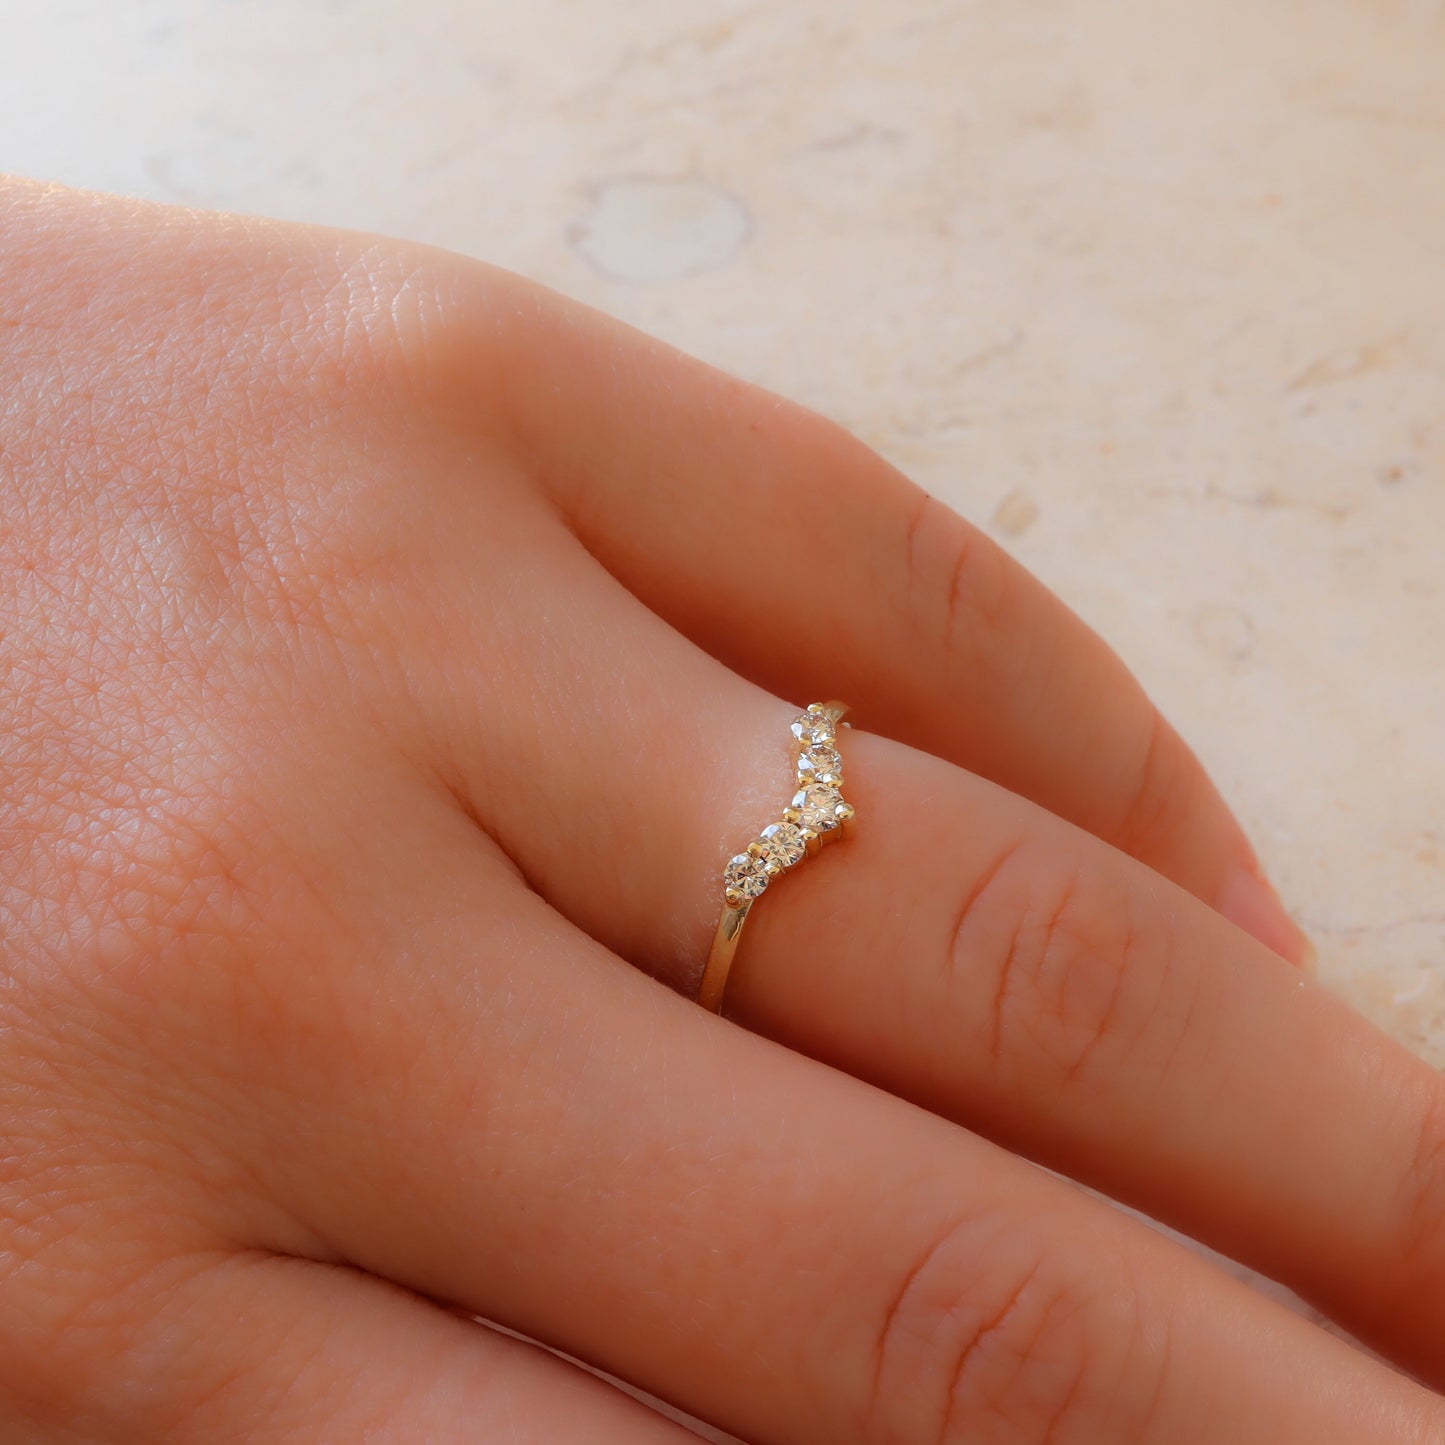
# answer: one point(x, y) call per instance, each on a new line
point(394, 652)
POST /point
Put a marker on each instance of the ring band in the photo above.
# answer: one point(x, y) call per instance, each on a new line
point(817, 814)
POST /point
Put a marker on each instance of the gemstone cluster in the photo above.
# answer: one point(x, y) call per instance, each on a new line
point(818, 810)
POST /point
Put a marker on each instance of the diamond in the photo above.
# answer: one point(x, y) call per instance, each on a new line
point(780, 845)
point(814, 727)
point(744, 876)
point(820, 764)
point(817, 805)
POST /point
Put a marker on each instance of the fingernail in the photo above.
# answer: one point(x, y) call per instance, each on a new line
point(1248, 901)
point(1309, 959)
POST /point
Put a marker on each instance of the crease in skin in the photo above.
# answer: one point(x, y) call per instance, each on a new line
point(888, 1328)
point(953, 949)
point(977, 1342)
point(1109, 1006)
point(1051, 933)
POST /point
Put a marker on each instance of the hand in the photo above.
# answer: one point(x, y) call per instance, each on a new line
point(394, 652)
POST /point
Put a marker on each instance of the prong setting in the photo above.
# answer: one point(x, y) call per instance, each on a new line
point(816, 812)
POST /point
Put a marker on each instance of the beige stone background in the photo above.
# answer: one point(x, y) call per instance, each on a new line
point(1154, 290)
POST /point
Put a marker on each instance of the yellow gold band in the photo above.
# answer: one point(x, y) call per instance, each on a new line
point(817, 814)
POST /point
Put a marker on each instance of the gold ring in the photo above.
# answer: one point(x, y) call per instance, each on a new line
point(817, 814)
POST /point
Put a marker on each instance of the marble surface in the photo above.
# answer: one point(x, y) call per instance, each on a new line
point(1152, 289)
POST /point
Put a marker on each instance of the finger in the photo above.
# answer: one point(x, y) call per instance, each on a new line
point(572, 1150)
point(967, 950)
point(227, 1346)
point(791, 551)
point(1066, 1001)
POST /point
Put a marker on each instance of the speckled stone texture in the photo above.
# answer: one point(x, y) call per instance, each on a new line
point(1152, 289)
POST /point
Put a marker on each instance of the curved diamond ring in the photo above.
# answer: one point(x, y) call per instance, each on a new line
point(817, 814)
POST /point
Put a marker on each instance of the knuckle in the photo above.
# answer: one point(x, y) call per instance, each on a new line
point(226, 387)
point(1163, 789)
point(959, 589)
point(1059, 964)
point(382, 325)
point(986, 1335)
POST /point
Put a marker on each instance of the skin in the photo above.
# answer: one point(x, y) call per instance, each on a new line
point(394, 652)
